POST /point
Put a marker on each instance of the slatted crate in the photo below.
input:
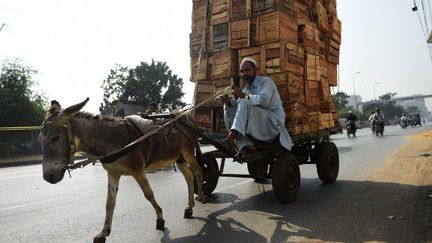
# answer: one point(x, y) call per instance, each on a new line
point(219, 13)
point(240, 34)
point(266, 6)
point(240, 9)
point(225, 64)
point(276, 26)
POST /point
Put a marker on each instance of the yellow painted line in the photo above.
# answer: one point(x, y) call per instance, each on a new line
point(24, 128)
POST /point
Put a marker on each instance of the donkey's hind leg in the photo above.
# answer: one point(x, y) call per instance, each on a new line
point(113, 182)
point(197, 171)
point(189, 176)
point(141, 178)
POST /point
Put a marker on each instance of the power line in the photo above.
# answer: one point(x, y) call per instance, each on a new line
point(2, 27)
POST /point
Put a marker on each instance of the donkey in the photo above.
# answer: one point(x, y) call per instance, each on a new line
point(70, 130)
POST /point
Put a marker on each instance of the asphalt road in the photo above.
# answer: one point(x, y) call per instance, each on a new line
point(31, 210)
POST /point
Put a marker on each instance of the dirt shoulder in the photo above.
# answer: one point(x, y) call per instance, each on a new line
point(410, 210)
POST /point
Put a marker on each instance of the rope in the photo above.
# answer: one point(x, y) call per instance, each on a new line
point(128, 148)
point(203, 44)
point(23, 128)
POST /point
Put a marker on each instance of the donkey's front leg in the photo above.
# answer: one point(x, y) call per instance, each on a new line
point(141, 178)
point(113, 182)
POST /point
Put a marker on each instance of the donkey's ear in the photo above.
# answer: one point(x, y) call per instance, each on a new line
point(72, 110)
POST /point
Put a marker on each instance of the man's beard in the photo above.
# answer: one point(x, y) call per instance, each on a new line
point(248, 79)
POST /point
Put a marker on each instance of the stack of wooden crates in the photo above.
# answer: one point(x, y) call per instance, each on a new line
point(295, 42)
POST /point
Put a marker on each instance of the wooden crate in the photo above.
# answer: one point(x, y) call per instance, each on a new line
point(203, 117)
point(195, 43)
point(240, 34)
point(281, 57)
point(205, 67)
point(201, 97)
point(206, 86)
point(219, 37)
point(319, 14)
point(225, 64)
point(276, 26)
point(199, 14)
point(335, 25)
point(325, 90)
point(266, 6)
point(330, 6)
point(326, 121)
point(219, 12)
point(323, 67)
point(313, 69)
point(332, 74)
point(309, 34)
point(240, 9)
point(301, 11)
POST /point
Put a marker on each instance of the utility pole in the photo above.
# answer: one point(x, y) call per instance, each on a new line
point(355, 95)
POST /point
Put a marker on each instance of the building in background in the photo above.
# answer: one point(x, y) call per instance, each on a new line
point(352, 101)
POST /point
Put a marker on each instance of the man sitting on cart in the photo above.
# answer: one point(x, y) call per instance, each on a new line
point(257, 112)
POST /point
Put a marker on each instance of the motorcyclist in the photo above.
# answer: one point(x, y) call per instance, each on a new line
point(351, 117)
point(404, 120)
point(351, 120)
point(378, 118)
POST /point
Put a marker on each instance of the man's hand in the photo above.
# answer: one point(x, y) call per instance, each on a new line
point(226, 99)
point(238, 92)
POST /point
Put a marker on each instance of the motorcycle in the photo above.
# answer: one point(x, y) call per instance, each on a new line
point(351, 128)
point(404, 123)
point(379, 127)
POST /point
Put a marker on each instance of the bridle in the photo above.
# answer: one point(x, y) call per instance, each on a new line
point(72, 146)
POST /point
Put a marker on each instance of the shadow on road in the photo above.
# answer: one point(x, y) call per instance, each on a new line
point(346, 211)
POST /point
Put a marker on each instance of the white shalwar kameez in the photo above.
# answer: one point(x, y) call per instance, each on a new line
point(261, 117)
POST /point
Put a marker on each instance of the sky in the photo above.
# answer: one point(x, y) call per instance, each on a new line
point(74, 44)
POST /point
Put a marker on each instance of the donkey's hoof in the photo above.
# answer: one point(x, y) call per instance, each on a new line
point(160, 224)
point(188, 213)
point(99, 239)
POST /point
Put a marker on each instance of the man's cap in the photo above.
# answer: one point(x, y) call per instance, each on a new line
point(350, 112)
point(249, 59)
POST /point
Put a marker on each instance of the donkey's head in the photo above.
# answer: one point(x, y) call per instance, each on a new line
point(56, 140)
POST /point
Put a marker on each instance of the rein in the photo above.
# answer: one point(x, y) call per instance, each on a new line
point(112, 157)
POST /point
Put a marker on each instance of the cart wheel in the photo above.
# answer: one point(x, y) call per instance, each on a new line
point(210, 169)
point(258, 168)
point(286, 178)
point(327, 161)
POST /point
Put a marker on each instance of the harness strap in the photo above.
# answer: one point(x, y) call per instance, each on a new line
point(72, 147)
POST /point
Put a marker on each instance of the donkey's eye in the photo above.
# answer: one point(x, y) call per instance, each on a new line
point(55, 139)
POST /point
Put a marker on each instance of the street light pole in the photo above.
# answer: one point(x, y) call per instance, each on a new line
point(374, 89)
point(355, 94)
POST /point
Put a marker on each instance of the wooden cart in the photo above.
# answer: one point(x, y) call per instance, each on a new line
point(270, 161)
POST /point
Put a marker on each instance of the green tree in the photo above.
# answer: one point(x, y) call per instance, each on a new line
point(387, 96)
point(341, 100)
point(19, 105)
point(412, 109)
point(142, 85)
